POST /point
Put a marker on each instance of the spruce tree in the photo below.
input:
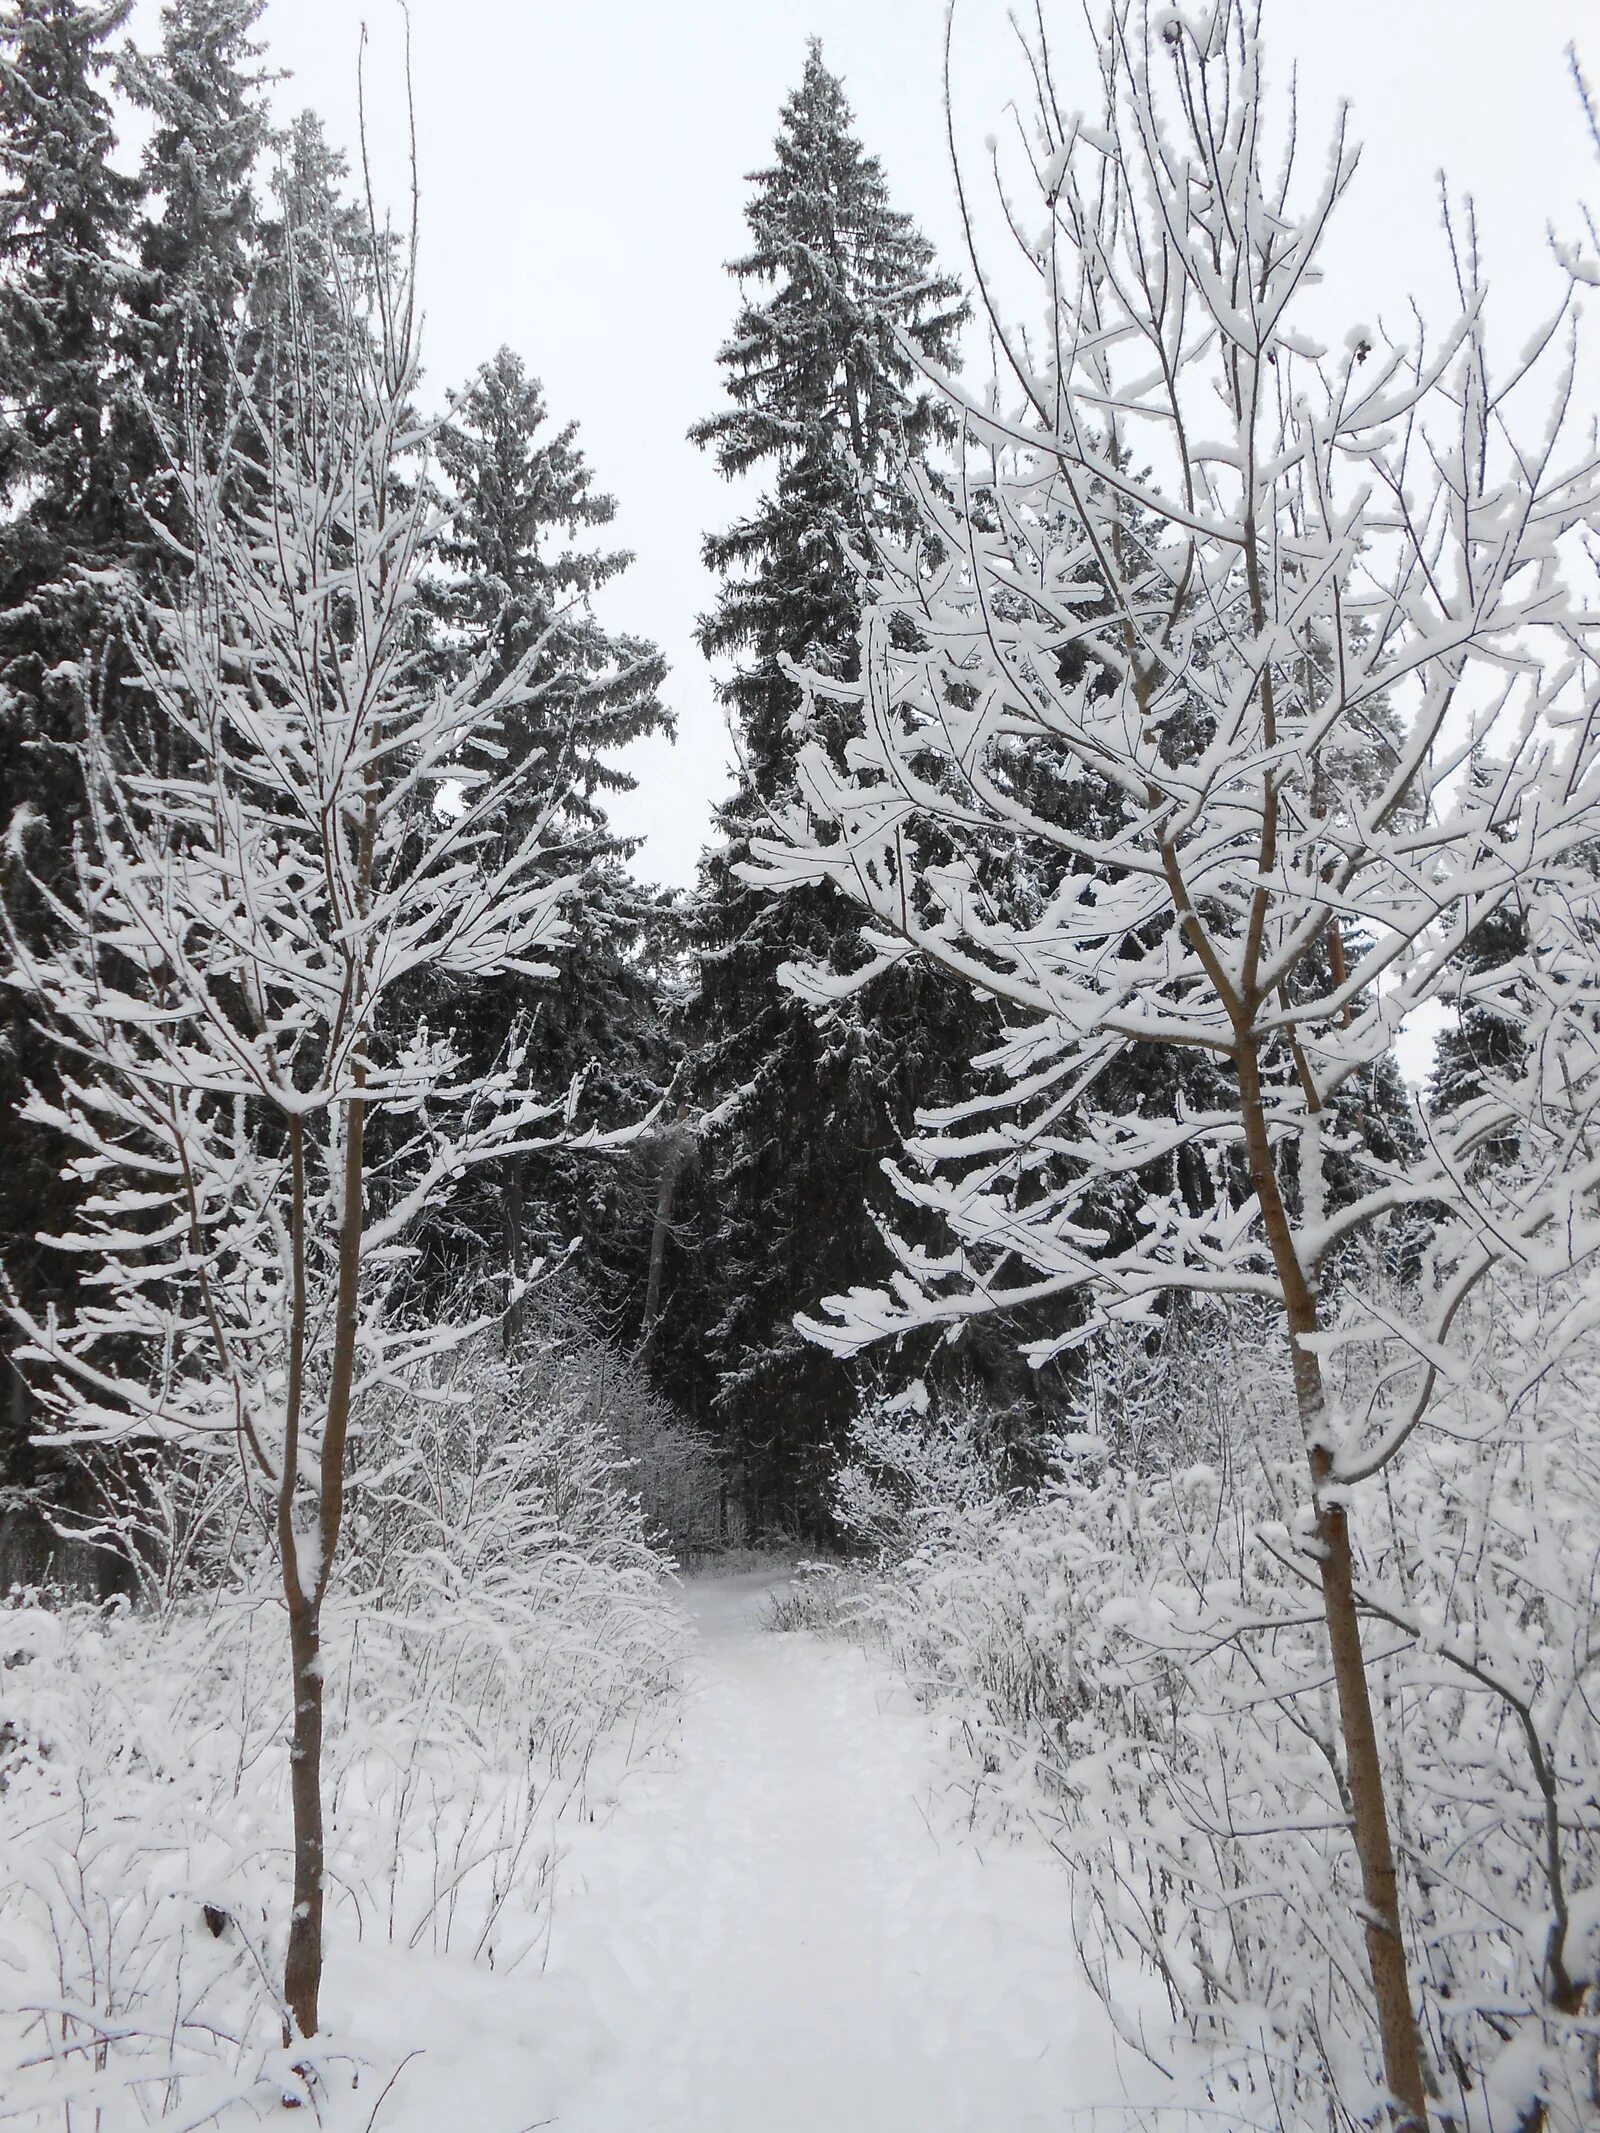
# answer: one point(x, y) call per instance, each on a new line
point(1488, 1041)
point(205, 92)
point(514, 586)
point(313, 245)
point(802, 1110)
point(519, 585)
point(66, 217)
point(313, 235)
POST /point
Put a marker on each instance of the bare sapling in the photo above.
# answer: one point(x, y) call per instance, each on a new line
point(1166, 726)
point(235, 983)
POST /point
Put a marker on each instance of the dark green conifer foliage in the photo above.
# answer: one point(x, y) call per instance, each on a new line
point(802, 1110)
point(521, 495)
point(1488, 1044)
point(65, 229)
point(205, 92)
point(1487, 1041)
point(314, 234)
point(65, 219)
point(516, 585)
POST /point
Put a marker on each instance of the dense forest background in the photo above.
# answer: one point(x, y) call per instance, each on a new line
point(758, 1187)
point(993, 1178)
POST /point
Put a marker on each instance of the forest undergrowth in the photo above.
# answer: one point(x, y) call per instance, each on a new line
point(1127, 1658)
point(505, 1647)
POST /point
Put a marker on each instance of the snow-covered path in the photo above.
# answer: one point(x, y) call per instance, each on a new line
point(767, 1936)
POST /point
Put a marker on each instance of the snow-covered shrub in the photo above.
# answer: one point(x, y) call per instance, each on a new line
point(906, 1462)
point(566, 1432)
point(1136, 1659)
point(674, 1469)
point(828, 1599)
point(501, 1644)
point(567, 1383)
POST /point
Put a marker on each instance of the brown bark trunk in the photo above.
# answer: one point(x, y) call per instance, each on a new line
point(347, 1325)
point(1386, 1955)
point(302, 1970)
point(302, 1974)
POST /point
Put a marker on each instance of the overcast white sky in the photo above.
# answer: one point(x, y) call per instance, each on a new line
point(582, 170)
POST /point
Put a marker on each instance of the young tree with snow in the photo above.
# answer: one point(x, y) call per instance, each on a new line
point(1269, 599)
point(825, 396)
point(227, 968)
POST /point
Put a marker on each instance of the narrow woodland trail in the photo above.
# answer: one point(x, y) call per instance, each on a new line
point(769, 1937)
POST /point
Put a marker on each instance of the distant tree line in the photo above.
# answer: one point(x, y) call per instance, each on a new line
point(135, 308)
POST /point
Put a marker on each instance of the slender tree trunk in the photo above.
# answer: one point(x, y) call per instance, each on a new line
point(17, 1404)
point(302, 1976)
point(302, 1970)
point(671, 1163)
point(1386, 1955)
point(511, 1221)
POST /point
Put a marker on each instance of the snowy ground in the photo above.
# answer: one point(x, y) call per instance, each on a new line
point(768, 1934)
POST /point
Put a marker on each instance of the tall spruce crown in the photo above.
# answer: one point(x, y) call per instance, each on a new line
point(205, 94)
point(517, 484)
point(823, 390)
point(841, 301)
point(820, 357)
point(66, 213)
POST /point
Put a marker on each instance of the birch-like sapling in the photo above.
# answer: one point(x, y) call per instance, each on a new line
point(1203, 638)
point(230, 983)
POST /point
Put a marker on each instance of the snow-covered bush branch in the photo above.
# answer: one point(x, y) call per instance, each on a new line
point(1133, 1658)
point(501, 1645)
